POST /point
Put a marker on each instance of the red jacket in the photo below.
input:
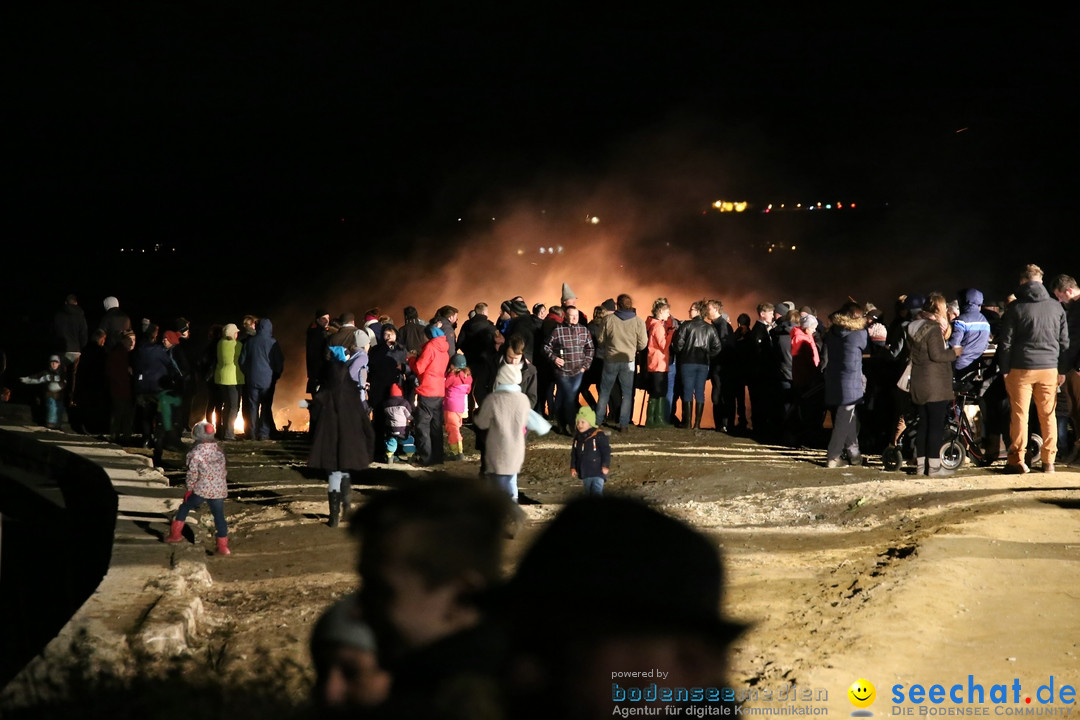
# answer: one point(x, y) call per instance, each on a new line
point(430, 367)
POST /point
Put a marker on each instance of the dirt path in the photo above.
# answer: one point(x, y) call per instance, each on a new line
point(842, 573)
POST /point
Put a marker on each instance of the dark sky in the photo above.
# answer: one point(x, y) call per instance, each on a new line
point(236, 125)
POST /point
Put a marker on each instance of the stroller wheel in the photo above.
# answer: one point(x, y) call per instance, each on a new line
point(892, 458)
point(1034, 449)
point(952, 455)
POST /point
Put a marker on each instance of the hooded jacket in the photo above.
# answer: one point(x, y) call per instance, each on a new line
point(931, 362)
point(1034, 333)
point(842, 361)
point(261, 358)
point(430, 367)
point(971, 329)
point(623, 336)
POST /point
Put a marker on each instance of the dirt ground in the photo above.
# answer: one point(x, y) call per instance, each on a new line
point(842, 573)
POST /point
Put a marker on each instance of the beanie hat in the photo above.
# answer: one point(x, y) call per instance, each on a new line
point(878, 332)
point(806, 322)
point(518, 307)
point(338, 353)
point(508, 375)
point(783, 309)
point(608, 304)
point(434, 331)
point(320, 312)
point(587, 414)
point(567, 294)
point(914, 302)
point(173, 337)
point(203, 432)
point(230, 331)
point(181, 325)
point(54, 358)
point(395, 390)
point(111, 302)
point(364, 338)
point(338, 626)
point(458, 361)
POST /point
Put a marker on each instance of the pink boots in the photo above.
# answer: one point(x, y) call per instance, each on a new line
point(223, 546)
point(176, 530)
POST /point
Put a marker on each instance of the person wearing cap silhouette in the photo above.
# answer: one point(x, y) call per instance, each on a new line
point(348, 677)
point(429, 551)
point(315, 349)
point(611, 584)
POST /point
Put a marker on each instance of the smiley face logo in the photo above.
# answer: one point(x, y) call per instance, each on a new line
point(862, 693)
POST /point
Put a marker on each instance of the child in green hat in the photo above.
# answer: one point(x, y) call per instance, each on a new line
point(590, 455)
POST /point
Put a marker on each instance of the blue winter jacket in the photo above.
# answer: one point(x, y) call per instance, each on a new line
point(261, 359)
point(971, 329)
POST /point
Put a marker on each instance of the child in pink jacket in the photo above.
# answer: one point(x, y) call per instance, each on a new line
point(458, 385)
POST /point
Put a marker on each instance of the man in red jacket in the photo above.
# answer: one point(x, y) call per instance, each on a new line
point(430, 369)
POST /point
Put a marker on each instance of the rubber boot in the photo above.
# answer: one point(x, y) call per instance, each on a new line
point(346, 496)
point(650, 413)
point(920, 466)
point(176, 532)
point(223, 546)
point(936, 470)
point(335, 507)
point(699, 410)
point(663, 411)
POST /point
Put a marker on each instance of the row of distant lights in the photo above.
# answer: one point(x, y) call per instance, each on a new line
point(742, 206)
point(546, 251)
point(811, 206)
point(155, 249)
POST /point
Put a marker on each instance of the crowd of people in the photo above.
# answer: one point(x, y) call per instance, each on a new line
point(782, 377)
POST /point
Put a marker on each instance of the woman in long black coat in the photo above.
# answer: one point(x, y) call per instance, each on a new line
point(342, 437)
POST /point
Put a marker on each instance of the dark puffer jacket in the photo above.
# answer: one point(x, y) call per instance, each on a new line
point(842, 360)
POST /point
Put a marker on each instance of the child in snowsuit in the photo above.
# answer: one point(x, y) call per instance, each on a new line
point(590, 455)
point(458, 387)
point(398, 412)
point(53, 380)
point(206, 483)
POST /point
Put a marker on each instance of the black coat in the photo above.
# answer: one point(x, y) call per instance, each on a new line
point(342, 438)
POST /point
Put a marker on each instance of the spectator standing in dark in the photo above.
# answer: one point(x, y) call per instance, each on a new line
point(115, 322)
point(446, 320)
point(696, 344)
point(762, 371)
point(429, 366)
point(623, 336)
point(152, 368)
point(387, 366)
point(229, 378)
point(186, 356)
point(121, 388)
point(931, 382)
point(1066, 291)
point(343, 441)
point(844, 384)
point(411, 333)
point(523, 324)
point(1034, 341)
point(545, 371)
point(315, 350)
point(91, 394)
point(70, 335)
point(570, 351)
point(262, 363)
point(742, 351)
point(723, 399)
point(477, 343)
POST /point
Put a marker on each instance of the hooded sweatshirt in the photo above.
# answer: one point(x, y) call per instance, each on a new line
point(1034, 334)
point(971, 329)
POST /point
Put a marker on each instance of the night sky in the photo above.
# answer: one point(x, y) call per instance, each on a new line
point(259, 139)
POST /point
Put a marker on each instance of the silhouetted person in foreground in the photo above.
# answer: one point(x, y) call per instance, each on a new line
point(611, 585)
point(428, 552)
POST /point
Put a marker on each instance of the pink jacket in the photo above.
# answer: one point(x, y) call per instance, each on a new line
point(458, 386)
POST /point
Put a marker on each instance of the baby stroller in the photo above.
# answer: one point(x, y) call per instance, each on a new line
point(962, 438)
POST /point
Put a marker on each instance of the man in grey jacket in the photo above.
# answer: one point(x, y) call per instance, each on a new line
point(1034, 338)
point(622, 337)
